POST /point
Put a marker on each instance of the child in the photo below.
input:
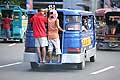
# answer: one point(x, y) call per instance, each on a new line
point(53, 36)
point(6, 26)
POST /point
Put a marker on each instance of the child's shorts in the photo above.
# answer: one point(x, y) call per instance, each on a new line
point(54, 43)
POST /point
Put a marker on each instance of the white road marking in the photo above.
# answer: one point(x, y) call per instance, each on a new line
point(12, 44)
point(10, 64)
point(102, 70)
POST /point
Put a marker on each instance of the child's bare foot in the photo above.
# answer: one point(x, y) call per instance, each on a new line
point(58, 61)
point(41, 61)
point(50, 61)
point(58, 58)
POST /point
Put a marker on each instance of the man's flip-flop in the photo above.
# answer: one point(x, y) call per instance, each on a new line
point(44, 61)
point(41, 61)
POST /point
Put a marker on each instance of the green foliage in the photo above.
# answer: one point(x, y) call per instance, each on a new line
point(18, 2)
point(21, 3)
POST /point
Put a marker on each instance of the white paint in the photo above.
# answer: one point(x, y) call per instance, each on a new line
point(72, 58)
point(12, 44)
point(12, 64)
point(102, 70)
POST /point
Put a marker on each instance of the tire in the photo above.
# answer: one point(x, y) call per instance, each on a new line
point(23, 39)
point(34, 65)
point(81, 66)
point(97, 47)
point(92, 59)
point(4, 40)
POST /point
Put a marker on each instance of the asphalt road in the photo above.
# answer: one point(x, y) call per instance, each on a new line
point(12, 67)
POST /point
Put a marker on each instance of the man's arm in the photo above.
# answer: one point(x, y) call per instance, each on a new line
point(12, 17)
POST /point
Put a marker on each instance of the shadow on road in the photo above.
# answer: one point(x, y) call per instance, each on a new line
point(10, 41)
point(108, 50)
point(55, 68)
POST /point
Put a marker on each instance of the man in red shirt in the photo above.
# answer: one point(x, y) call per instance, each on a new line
point(39, 30)
point(6, 26)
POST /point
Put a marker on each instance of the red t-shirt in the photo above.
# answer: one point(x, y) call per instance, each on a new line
point(38, 23)
point(6, 23)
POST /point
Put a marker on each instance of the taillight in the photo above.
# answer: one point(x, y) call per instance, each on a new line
point(30, 49)
point(74, 50)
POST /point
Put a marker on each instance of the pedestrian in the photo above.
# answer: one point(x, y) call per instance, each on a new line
point(39, 30)
point(53, 36)
point(85, 24)
point(6, 26)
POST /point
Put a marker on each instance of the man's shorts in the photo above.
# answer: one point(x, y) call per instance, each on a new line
point(54, 44)
point(41, 42)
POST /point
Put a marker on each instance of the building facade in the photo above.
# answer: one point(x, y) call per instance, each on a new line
point(108, 3)
point(89, 5)
point(45, 3)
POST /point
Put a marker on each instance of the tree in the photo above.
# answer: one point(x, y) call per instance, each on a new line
point(102, 3)
point(21, 3)
point(115, 3)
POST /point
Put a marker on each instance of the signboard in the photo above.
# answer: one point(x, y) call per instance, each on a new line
point(86, 42)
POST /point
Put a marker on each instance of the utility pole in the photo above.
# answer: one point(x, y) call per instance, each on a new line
point(94, 5)
point(109, 6)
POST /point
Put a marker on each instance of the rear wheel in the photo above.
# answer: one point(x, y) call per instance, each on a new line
point(4, 40)
point(92, 59)
point(34, 65)
point(23, 39)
